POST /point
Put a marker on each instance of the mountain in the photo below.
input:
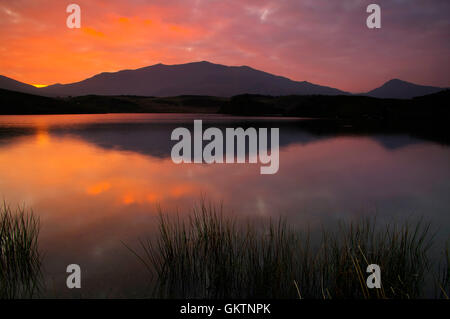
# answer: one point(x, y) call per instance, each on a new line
point(13, 85)
point(197, 78)
point(398, 89)
point(204, 79)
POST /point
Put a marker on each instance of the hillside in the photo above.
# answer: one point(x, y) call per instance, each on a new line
point(198, 78)
point(398, 89)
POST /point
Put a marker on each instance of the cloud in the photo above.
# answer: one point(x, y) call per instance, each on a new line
point(315, 40)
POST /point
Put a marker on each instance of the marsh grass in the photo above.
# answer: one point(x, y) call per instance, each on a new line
point(209, 255)
point(20, 261)
point(443, 280)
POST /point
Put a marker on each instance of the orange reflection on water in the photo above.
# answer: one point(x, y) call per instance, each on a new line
point(61, 174)
point(128, 199)
point(42, 138)
point(98, 188)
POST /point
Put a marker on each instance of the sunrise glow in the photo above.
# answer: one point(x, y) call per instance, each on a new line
point(325, 43)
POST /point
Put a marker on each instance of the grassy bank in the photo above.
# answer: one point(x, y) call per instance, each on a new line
point(20, 261)
point(209, 255)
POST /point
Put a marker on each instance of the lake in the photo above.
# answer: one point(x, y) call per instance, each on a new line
point(98, 181)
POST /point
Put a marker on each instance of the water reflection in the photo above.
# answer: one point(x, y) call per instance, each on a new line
point(97, 180)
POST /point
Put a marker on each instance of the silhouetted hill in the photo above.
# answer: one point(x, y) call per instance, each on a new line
point(12, 102)
point(13, 85)
point(398, 89)
point(433, 107)
point(198, 78)
point(205, 79)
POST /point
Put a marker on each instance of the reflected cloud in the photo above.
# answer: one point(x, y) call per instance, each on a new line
point(98, 188)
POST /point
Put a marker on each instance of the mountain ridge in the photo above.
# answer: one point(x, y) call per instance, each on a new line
point(195, 78)
point(205, 78)
point(399, 89)
point(14, 85)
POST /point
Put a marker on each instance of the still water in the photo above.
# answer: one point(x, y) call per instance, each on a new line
point(96, 182)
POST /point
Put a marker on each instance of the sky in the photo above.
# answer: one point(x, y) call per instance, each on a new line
point(319, 41)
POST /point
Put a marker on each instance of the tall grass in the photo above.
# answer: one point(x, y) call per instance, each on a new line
point(443, 280)
point(20, 261)
point(209, 255)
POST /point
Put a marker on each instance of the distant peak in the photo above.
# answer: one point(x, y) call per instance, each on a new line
point(396, 81)
point(203, 63)
point(399, 89)
point(195, 62)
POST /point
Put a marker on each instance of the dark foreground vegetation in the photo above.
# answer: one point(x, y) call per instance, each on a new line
point(429, 107)
point(12, 102)
point(433, 106)
point(212, 256)
point(209, 255)
point(20, 261)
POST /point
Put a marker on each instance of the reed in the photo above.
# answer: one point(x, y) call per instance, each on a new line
point(20, 261)
point(210, 255)
point(443, 280)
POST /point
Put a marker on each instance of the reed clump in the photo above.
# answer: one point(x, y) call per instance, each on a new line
point(209, 255)
point(20, 260)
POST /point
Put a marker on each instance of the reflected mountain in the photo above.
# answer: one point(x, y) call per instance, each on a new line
point(10, 134)
point(153, 137)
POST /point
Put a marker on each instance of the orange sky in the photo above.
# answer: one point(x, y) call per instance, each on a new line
point(319, 41)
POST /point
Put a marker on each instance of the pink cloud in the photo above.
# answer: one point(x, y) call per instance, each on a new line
point(319, 41)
